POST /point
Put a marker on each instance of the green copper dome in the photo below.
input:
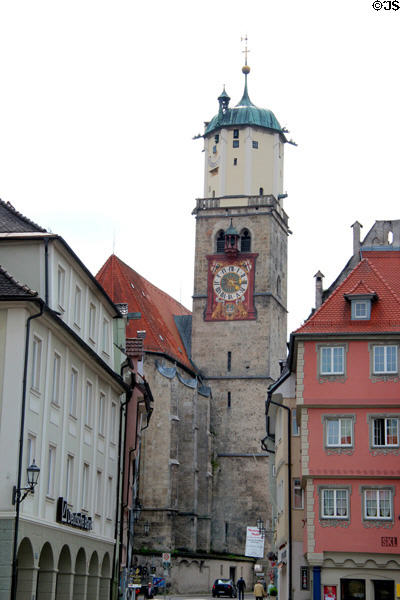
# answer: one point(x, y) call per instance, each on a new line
point(244, 113)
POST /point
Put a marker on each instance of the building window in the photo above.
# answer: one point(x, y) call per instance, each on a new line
point(102, 408)
point(385, 359)
point(113, 422)
point(245, 241)
point(235, 162)
point(332, 360)
point(229, 365)
point(36, 362)
point(235, 144)
point(99, 498)
point(229, 399)
point(77, 306)
point(297, 494)
point(55, 387)
point(335, 504)
point(51, 469)
point(295, 427)
point(226, 531)
point(385, 432)
point(378, 503)
point(69, 477)
point(216, 138)
point(236, 134)
point(85, 486)
point(106, 336)
point(255, 145)
point(61, 287)
point(339, 431)
point(109, 498)
point(30, 449)
point(88, 404)
point(360, 310)
point(73, 392)
point(214, 149)
point(220, 241)
point(261, 191)
point(92, 322)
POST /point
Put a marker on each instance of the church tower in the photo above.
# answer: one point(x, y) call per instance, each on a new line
point(239, 305)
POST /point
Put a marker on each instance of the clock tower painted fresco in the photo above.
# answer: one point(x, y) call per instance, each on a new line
point(239, 305)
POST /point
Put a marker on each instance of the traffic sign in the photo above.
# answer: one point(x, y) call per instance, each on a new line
point(166, 557)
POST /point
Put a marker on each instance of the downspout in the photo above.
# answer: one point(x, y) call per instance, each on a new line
point(21, 448)
point(46, 270)
point(269, 401)
point(118, 508)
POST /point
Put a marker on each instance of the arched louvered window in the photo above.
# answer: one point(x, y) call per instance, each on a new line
point(245, 241)
point(220, 241)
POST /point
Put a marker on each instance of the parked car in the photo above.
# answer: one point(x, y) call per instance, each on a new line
point(224, 587)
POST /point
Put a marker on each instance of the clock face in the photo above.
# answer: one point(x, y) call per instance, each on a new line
point(230, 282)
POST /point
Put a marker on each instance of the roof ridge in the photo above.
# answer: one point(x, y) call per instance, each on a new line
point(21, 286)
point(18, 214)
point(378, 274)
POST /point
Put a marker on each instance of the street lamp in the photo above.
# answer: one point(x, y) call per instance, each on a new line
point(33, 472)
point(260, 525)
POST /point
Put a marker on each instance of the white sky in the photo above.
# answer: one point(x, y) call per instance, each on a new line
point(100, 100)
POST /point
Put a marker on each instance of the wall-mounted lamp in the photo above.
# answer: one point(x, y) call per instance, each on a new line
point(33, 472)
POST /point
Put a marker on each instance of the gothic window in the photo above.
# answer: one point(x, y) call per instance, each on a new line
point(245, 241)
point(220, 240)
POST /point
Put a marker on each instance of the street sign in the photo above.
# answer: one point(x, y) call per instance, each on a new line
point(159, 581)
point(166, 557)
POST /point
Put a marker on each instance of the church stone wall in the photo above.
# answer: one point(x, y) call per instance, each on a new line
point(175, 487)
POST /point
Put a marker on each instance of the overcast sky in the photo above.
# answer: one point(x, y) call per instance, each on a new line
point(100, 101)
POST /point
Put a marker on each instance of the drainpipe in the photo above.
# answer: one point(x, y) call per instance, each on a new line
point(268, 402)
point(118, 509)
point(21, 448)
point(46, 270)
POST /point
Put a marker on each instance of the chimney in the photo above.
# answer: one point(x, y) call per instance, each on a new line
point(318, 289)
point(356, 238)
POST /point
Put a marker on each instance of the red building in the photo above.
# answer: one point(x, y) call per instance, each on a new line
point(346, 361)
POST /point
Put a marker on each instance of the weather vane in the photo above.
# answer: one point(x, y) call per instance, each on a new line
point(245, 51)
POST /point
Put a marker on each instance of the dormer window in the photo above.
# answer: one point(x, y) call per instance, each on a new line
point(361, 298)
point(360, 309)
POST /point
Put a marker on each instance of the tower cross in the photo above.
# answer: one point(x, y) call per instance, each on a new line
point(245, 51)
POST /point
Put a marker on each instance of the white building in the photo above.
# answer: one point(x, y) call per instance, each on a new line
point(60, 397)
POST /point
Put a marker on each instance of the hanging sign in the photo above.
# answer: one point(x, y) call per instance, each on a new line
point(254, 543)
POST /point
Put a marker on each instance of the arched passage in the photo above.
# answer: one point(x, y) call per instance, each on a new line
point(46, 577)
point(26, 573)
point(80, 579)
point(64, 576)
point(93, 578)
point(104, 592)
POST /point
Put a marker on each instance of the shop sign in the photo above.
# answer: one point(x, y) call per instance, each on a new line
point(330, 592)
point(388, 541)
point(67, 517)
point(304, 573)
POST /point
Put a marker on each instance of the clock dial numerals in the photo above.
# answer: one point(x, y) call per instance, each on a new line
point(230, 283)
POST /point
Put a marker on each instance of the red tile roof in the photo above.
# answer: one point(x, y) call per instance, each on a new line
point(377, 273)
point(157, 308)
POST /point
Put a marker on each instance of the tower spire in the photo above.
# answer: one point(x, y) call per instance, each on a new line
point(245, 101)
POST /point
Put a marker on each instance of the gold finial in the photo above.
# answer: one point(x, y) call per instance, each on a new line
point(246, 68)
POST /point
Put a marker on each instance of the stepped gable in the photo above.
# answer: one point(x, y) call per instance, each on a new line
point(11, 287)
point(157, 308)
point(12, 221)
point(377, 274)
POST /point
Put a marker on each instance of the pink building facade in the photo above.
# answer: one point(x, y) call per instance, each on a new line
point(346, 362)
point(348, 404)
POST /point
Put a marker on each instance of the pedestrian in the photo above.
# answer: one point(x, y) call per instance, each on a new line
point(241, 586)
point(259, 591)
